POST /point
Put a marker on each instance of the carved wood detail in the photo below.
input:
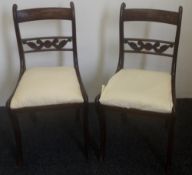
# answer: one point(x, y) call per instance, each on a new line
point(40, 44)
point(157, 46)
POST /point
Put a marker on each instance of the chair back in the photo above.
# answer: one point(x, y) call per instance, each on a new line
point(48, 43)
point(149, 46)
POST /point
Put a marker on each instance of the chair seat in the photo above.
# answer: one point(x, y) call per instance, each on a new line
point(139, 89)
point(47, 86)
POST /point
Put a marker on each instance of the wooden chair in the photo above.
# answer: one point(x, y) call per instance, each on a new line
point(143, 92)
point(46, 88)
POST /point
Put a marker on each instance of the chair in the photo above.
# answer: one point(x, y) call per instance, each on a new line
point(46, 88)
point(138, 91)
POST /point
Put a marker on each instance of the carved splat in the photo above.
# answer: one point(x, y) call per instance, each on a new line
point(43, 43)
point(157, 46)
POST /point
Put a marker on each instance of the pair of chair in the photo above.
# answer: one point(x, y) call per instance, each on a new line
point(131, 91)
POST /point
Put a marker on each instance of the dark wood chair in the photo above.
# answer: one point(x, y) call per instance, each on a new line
point(46, 88)
point(143, 92)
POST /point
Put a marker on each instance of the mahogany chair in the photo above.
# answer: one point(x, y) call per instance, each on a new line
point(138, 91)
point(46, 88)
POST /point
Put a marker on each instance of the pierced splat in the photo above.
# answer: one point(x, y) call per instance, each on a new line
point(157, 47)
point(46, 43)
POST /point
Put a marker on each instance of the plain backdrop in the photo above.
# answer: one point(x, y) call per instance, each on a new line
point(97, 40)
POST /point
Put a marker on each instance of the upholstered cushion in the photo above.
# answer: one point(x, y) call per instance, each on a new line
point(47, 86)
point(139, 89)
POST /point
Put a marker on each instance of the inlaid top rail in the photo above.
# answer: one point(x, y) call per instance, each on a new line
point(44, 14)
point(150, 15)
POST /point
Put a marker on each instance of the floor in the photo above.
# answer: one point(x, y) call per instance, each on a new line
point(52, 144)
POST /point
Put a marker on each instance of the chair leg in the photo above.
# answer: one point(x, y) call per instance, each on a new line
point(86, 129)
point(77, 114)
point(124, 117)
point(171, 127)
point(17, 133)
point(102, 121)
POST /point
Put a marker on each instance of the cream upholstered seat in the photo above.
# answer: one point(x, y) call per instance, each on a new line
point(47, 86)
point(139, 89)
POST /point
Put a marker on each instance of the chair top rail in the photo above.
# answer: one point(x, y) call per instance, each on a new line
point(44, 14)
point(152, 15)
